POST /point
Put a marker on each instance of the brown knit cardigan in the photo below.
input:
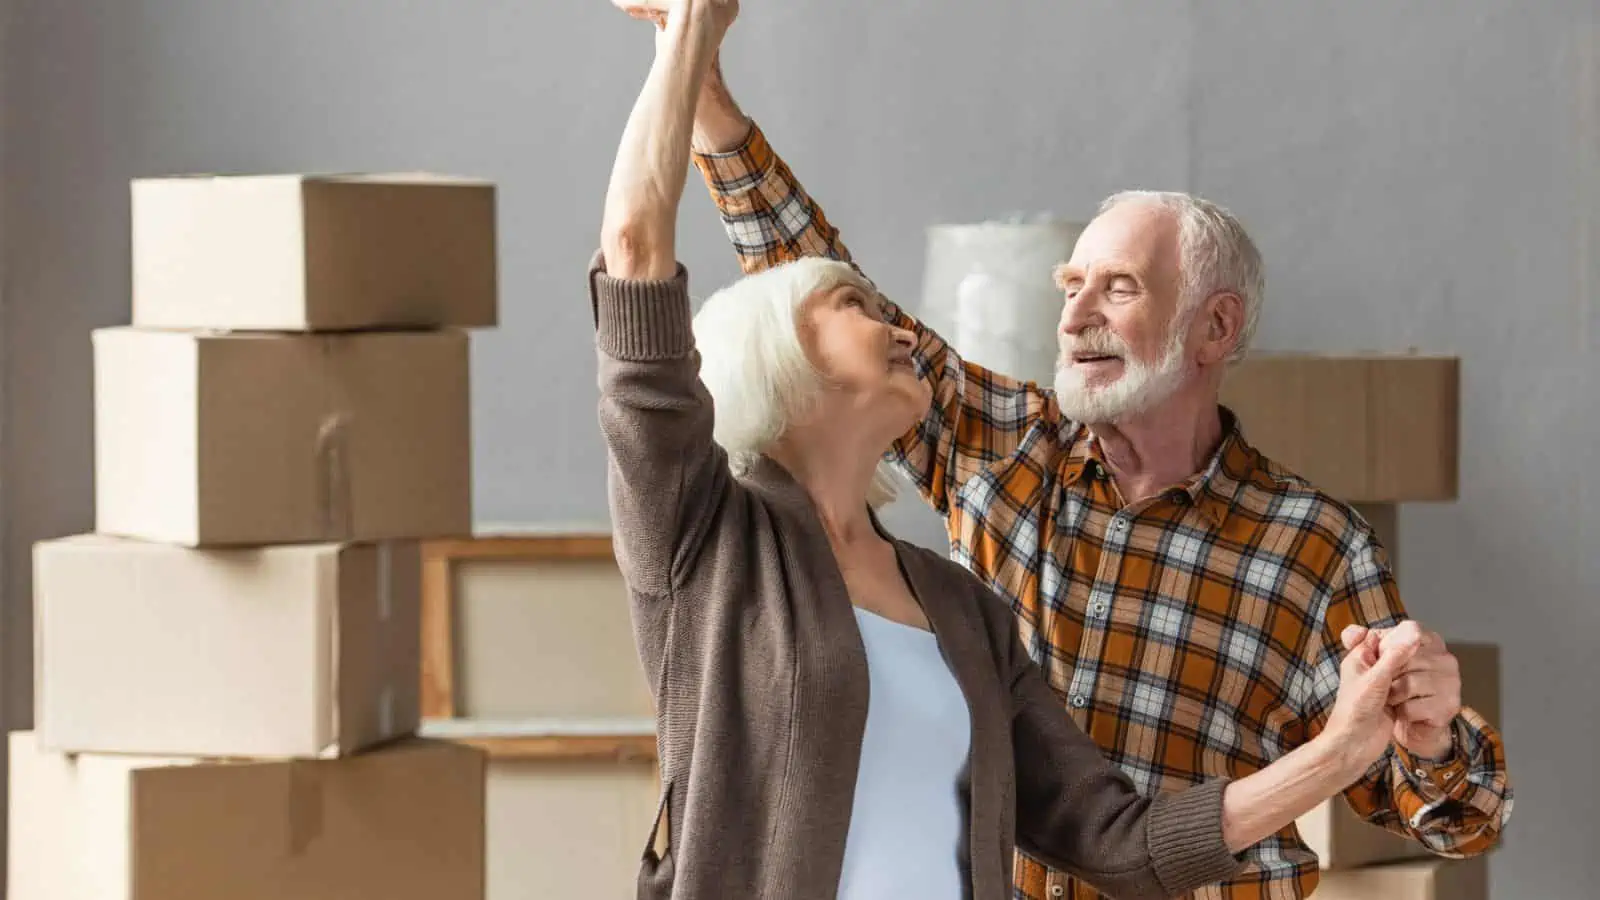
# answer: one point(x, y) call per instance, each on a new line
point(748, 638)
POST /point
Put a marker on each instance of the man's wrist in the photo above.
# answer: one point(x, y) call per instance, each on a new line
point(1437, 751)
point(719, 125)
point(721, 136)
point(1435, 775)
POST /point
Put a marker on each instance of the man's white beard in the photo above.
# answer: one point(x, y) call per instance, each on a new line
point(1140, 387)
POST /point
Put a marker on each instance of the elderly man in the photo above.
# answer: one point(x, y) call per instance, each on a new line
point(1186, 597)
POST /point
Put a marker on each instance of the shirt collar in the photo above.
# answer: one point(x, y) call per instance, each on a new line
point(1213, 490)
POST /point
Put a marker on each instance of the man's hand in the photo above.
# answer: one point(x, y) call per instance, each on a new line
point(1426, 698)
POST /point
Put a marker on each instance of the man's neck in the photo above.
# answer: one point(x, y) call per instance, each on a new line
point(1160, 447)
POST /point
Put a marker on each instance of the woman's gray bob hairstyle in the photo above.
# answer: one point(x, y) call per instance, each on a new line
point(753, 363)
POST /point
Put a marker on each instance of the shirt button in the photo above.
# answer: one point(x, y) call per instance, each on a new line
point(1118, 524)
point(1057, 890)
point(1099, 609)
point(1079, 701)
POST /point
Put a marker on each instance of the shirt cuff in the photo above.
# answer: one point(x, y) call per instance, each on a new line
point(1437, 779)
point(739, 168)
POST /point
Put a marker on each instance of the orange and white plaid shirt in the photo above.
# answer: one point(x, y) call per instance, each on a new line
point(1192, 635)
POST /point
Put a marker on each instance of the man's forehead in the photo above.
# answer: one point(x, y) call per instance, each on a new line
point(1130, 233)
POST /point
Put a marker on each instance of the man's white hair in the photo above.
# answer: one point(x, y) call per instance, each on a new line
point(1215, 254)
point(753, 363)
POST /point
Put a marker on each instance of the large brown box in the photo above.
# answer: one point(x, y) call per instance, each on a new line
point(1365, 429)
point(1432, 879)
point(314, 252)
point(1340, 838)
point(299, 650)
point(405, 822)
point(245, 438)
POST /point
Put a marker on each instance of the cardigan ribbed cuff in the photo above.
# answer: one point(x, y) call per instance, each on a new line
point(1185, 835)
point(641, 320)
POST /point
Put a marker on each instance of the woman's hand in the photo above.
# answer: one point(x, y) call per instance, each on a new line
point(722, 12)
point(1362, 723)
point(638, 228)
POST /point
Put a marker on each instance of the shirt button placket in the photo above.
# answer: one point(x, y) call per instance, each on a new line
point(1096, 614)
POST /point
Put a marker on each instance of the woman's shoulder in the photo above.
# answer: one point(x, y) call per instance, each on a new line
point(950, 577)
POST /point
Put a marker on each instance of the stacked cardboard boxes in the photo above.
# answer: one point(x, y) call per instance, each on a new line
point(226, 671)
point(1376, 431)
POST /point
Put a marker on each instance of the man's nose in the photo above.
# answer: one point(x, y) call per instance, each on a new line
point(1080, 312)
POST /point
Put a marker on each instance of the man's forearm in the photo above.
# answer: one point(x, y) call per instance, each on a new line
point(720, 126)
point(647, 179)
point(1261, 804)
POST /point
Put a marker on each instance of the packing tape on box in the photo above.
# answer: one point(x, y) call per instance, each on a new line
point(383, 585)
point(385, 582)
point(386, 711)
point(305, 805)
point(333, 486)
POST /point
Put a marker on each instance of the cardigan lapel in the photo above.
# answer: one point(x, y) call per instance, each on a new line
point(832, 669)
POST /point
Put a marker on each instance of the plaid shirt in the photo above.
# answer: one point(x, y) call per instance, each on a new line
point(1194, 634)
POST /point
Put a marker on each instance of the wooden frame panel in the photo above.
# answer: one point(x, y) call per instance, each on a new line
point(619, 740)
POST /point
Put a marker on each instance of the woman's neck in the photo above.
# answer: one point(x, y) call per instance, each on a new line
point(837, 480)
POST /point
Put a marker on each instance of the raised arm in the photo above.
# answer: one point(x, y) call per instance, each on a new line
point(638, 229)
point(977, 416)
point(665, 470)
point(1450, 790)
point(1080, 813)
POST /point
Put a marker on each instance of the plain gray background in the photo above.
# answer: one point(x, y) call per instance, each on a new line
point(1418, 174)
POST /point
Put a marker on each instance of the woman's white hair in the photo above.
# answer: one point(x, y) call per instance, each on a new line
point(1215, 254)
point(753, 363)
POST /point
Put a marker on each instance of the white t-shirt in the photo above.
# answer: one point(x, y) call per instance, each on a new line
point(908, 826)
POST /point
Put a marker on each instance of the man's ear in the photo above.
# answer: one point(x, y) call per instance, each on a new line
point(1223, 326)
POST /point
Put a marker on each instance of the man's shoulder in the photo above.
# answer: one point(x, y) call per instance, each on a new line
point(1283, 498)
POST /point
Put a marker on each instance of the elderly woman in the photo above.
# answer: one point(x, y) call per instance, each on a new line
point(842, 714)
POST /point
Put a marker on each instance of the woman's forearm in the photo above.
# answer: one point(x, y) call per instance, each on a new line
point(647, 180)
point(1262, 803)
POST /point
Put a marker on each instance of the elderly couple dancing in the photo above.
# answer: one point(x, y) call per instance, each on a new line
point(1154, 650)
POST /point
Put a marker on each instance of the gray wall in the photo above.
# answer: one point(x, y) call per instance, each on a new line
point(1418, 174)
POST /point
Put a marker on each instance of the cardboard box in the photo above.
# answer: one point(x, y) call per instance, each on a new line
point(568, 829)
point(309, 253)
point(1433, 879)
point(405, 822)
point(1340, 838)
point(306, 650)
point(246, 438)
point(1365, 429)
